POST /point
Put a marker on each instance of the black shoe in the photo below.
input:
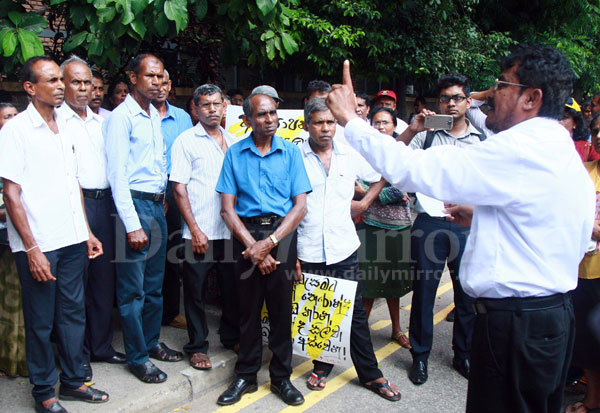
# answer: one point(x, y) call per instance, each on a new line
point(462, 366)
point(117, 358)
point(90, 395)
point(450, 316)
point(55, 407)
point(418, 372)
point(236, 390)
point(163, 353)
point(148, 372)
point(288, 393)
point(87, 372)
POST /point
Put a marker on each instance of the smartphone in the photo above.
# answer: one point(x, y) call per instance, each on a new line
point(439, 122)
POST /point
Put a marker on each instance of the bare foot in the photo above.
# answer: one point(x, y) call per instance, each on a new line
point(385, 391)
point(317, 380)
point(84, 388)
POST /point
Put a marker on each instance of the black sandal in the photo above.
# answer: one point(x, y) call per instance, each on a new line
point(376, 387)
point(148, 373)
point(91, 395)
point(163, 353)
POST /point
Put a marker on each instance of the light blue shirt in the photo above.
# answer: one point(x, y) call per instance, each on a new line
point(263, 185)
point(136, 156)
point(174, 124)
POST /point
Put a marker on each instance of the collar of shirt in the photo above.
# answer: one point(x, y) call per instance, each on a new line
point(337, 148)
point(169, 111)
point(200, 132)
point(135, 109)
point(67, 112)
point(36, 118)
point(470, 131)
point(248, 144)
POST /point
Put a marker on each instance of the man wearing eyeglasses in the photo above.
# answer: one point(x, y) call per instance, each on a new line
point(436, 241)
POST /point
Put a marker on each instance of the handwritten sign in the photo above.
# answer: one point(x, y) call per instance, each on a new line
point(322, 310)
point(291, 124)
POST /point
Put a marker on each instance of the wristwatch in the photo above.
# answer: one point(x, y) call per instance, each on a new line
point(274, 240)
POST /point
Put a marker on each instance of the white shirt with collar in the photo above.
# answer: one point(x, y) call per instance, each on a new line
point(89, 146)
point(534, 202)
point(327, 233)
point(196, 161)
point(44, 165)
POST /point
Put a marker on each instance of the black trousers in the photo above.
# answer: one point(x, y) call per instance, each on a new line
point(171, 289)
point(521, 354)
point(361, 347)
point(195, 270)
point(99, 281)
point(434, 242)
point(54, 305)
point(276, 290)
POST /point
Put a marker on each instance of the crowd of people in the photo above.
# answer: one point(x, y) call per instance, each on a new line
point(124, 198)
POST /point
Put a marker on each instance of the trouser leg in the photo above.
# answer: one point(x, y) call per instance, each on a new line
point(171, 287)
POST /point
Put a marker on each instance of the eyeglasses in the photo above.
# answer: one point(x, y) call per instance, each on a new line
point(501, 84)
point(205, 106)
point(383, 123)
point(456, 98)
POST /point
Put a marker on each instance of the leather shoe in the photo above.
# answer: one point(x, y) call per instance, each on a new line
point(288, 393)
point(462, 366)
point(55, 407)
point(117, 358)
point(87, 372)
point(236, 390)
point(418, 372)
point(148, 372)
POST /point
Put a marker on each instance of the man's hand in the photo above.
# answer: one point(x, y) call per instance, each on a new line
point(268, 265)
point(418, 123)
point(39, 266)
point(94, 247)
point(357, 208)
point(199, 241)
point(341, 100)
point(137, 239)
point(596, 230)
point(298, 278)
point(359, 190)
point(459, 214)
point(258, 251)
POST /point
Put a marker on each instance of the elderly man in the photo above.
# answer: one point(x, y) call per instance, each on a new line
point(198, 155)
point(263, 186)
point(327, 240)
point(524, 249)
point(48, 233)
point(137, 172)
point(85, 128)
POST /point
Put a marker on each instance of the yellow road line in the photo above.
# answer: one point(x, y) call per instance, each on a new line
point(380, 325)
point(441, 290)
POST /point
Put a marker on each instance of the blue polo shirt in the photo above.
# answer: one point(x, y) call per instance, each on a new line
point(263, 185)
point(174, 124)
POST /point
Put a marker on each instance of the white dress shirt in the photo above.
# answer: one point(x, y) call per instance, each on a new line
point(327, 233)
point(534, 202)
point(89, 146)
point(196, 161)
point(104, 112)
point(44, 165)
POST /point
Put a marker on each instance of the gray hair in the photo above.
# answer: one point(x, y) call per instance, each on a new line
point(314, 105)
point(166, 74)
point(74, 59)
point(206, 90)
point(247, 106)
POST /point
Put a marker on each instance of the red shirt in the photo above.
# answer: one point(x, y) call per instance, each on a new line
point(586, 151)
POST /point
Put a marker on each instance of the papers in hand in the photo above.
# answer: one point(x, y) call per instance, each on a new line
point(431, 205)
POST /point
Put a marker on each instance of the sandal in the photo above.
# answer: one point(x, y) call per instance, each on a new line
point(163, 353)
point(321, 377)
point(376, 387)
point(90, 395)
point(401, 339)
point(197, 359)
point(148, 372)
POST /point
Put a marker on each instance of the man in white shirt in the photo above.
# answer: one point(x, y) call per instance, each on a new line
point(327, 239)
point(197, 157)
point(48, 233)
point(85, 129)
point(531, 223)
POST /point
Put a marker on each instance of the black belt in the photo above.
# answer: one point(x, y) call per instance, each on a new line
point(264, 220)
point(148, 196)
point(96, 193)
point(486, 305)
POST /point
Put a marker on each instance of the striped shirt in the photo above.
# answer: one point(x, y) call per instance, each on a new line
point(196, 161)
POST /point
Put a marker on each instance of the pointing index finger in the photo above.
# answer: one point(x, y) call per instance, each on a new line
point(347, 79)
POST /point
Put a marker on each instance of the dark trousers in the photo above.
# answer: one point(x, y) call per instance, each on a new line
point(54, 305)
point(195, 270)
point(521, 356)
point(433, 242)
point(171, 289)
point(99, 279)
point(361, 348)
point(276, 290)
point(139, 282)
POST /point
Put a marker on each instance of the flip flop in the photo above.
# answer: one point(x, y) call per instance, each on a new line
point(320, 376)
point(376, 386)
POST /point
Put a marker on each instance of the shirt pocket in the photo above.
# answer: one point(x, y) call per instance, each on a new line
point(280, 184)
point(342, 186)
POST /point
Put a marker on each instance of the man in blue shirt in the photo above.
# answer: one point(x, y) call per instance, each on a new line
point(137, 173)
point(263, 186)
point(174, 121)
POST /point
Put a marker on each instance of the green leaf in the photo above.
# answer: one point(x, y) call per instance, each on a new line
point(139, 27)
point(30, 43)
point(74, 41)
point(55, 2)
point(127, 16)
point(77, 16)
point(9, 43)
point(106, 14)
point(15, 17)
point(289, 43)
point(3, 33)
point(96, 48)
point(270, 49)
point(162, 25)
point(138, 6)
point(201, 9)
point(222, 9)
point(34, 23)
point(6, 24)
point(266, 6)
point(176, 10)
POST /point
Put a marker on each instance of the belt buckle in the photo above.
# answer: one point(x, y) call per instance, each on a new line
point(479, 308)
point(156, 197)
point(265, 220)
point(99, 194)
